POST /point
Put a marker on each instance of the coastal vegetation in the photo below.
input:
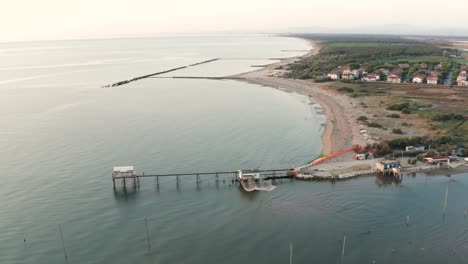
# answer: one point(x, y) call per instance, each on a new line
point(394, 106)
point(370, 53)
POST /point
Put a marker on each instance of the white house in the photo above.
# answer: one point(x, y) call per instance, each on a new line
point(462, 83)
point(432, 80)
point(416, 147)
point(333, 75)
point(394, 78)
point(418, 78)
point(371, 77)
point(461, 76)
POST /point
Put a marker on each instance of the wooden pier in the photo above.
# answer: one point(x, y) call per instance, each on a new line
point(126, 173)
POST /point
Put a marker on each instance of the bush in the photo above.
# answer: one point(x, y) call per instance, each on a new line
point(398, 107)
point(346, 89)
point(406, 111)
point(405, 124)
point(397, 131)
point(362, 118)
point(374, 124)
point(446, 117)
point(394, 116)
point(412, 161)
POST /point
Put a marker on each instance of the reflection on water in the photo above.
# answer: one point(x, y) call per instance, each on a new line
point(388, 180)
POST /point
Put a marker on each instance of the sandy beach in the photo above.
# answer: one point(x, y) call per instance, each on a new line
point(340, 133)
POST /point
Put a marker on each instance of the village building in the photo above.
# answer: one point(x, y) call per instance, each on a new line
point(437, 160)
point(371, 77)
point(419, 78)
point(461, 76)
point(347, 76)
point(432, 80)
point(462, 83)
point(388, 167)
point(417, 147)
point(423, 65)
point(394, 77)
point(334, 75)
point(439, 66)
point(345, 69)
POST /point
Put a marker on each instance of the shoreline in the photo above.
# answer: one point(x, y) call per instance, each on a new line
point(336, 136)
point(341, 130)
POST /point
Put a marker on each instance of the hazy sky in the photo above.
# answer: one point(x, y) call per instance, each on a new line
point(56, 19)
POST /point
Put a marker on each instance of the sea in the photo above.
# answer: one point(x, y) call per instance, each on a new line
point(61, 133)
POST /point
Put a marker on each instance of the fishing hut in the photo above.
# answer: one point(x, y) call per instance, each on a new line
point(391, 167)
point(123, 173)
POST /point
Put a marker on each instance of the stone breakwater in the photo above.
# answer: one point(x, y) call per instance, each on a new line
point(332, 175)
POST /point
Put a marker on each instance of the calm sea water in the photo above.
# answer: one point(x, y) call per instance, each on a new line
point(61, 134)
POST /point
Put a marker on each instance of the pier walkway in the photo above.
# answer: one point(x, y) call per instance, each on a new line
point(128, 173)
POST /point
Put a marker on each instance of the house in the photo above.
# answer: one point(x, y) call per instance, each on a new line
point(432, 80)
point(462, 83)
point(439, 66)
point(419, 78)
point(461, 76)
point(416, 147)
point(347, 76)
point(334, 75)
point(423, 65)
point(394, 77)
point(387, 166)
point(371, 77)
point(123, 172)
point(345, 69)
point(437, 160)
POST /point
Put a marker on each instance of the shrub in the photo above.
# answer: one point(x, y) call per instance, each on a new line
point(398, 107)
point(406, 111)
point(397, 131)
point(346, 89)
point(394, 116)
point(362, 118)
point(374, 124)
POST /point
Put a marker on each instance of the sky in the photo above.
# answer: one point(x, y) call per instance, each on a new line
point(64, 19)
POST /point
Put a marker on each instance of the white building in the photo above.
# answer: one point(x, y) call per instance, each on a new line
point(393, 78)
point(432, 80)
point(418, 79)
point(333, 76)
point(371, 77)
point(417, 147)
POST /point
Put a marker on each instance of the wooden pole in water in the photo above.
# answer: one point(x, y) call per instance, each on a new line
point(343, 250)
point(147, 234)
point(465, 213)
point(407, 220)
point(63, 243)
point(290, 253)
point(445, 203)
